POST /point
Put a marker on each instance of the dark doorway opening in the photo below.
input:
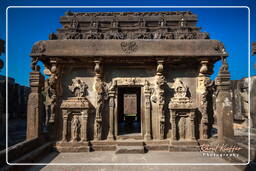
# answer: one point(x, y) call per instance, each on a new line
point(129, 113)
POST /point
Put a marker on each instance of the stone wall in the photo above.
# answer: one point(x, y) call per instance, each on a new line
point(17, 108)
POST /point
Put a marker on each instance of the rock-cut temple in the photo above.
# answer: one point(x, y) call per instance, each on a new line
point(115, 79)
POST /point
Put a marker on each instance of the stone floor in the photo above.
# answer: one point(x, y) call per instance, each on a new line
point(150, 157)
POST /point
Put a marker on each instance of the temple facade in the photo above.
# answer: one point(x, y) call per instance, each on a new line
point(112, 78)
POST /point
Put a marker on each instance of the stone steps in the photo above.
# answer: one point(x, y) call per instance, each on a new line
point(130, 149)
point(130, 146)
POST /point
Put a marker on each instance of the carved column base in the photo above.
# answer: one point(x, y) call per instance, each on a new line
point(147, 137)
point(98, 128)
point(162, 128)
point(110, 137)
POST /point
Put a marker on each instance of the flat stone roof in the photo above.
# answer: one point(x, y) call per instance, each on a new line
point(129, 48)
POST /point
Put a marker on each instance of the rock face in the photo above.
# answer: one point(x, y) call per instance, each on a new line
point(100, 64)
point(17, 103)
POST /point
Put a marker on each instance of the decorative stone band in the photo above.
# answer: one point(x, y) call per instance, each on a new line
point(126, 48)
point(75, 103)
point(129, 25)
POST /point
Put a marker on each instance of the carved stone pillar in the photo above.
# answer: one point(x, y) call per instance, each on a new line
point(202, 91)
point(147, 93)
point(160, 81)
point(84, 125)
point(111, 106)
point(99, 87)
point(65, 126)
point(224, 103)
point(35, 102)
point(53, 82)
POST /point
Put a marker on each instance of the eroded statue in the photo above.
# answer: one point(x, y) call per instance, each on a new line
point(75, 128)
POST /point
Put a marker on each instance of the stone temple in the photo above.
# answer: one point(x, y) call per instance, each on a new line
point(122, 79)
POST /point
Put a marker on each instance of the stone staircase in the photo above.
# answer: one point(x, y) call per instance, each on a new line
point(130, 147)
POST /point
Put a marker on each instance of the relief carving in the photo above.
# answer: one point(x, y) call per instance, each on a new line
point(50, 93)
point(180, 92)
point(129, 47)
point(78, 88)
point(50, 101)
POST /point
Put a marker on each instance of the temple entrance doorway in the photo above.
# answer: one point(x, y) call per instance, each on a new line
point(129, 110)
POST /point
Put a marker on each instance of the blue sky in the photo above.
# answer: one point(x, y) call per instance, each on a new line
point(28, 25)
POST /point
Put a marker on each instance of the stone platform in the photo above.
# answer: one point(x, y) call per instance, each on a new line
point(72, 147)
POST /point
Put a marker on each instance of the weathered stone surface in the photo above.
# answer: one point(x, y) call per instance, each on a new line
point(35, 106)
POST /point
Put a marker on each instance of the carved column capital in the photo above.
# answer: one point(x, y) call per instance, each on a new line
point(203, 68)
point(160, 67)
point(98, 67)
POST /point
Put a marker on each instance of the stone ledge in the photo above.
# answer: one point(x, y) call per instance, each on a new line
point(72, 147)
point(157, 147)
point(103, 147)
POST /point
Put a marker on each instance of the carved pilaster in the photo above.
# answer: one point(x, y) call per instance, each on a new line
point(224, 103)
point(111, 115)
point(65, 125)
point(173, 122)
point(35, 102)
point(84, 125)
point(160, 81)
point(147, 93)
point(192, 124)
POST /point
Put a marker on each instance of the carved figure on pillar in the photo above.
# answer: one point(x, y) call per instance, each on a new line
point(100, 88)
point(111, 105)
point(160, 82)
point(76, 125)
point(202, 89)
point(50, 102)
